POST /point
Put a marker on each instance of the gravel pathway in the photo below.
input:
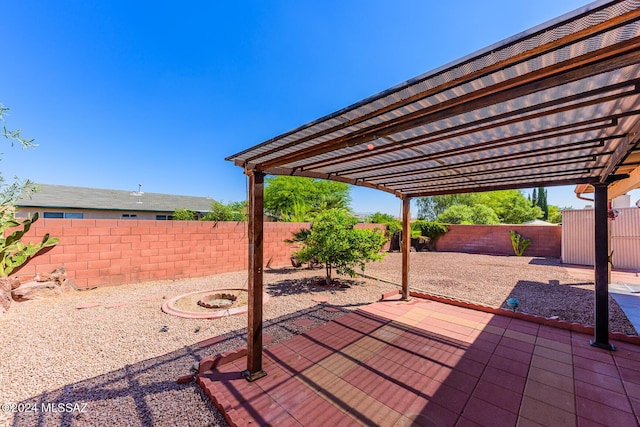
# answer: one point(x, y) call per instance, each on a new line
point(120, 364)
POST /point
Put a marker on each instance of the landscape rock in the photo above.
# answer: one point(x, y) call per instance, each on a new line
point(35, 290)
point(27, 288)
point(42, 277)
point(15, 282)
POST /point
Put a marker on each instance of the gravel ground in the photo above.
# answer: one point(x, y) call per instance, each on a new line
point(117, 360)
point(542, 286)
point(120, 364)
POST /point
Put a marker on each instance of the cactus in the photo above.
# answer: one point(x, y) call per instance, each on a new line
point(519, 243)
point(13, 252)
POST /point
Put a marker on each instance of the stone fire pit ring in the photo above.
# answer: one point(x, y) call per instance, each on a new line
point(217, 300)
point(169, 306)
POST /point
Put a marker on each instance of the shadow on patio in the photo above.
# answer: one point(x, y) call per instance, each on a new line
point(432, 364)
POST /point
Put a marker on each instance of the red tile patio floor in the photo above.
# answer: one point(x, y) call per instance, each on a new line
point(424, 363)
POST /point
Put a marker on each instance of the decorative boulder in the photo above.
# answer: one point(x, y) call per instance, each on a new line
point(41, 286)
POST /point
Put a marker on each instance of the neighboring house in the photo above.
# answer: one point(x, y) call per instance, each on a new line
point(59, 201)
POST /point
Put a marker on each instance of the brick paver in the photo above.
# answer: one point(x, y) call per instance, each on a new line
point(428, 363)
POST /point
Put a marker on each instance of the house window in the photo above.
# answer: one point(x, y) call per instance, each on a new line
point(164, 217)
point(68, 215)
point(129, 216)
point(53, 214)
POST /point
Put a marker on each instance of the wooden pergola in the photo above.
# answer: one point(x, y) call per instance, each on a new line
point(558, 104)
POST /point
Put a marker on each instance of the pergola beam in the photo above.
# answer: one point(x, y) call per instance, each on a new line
point(255, 283)
point(406, 246)
point(525, 154)
point(601, 312)
point(586, 159)
point(510, 185)
point(450, 182)
point(510, 117)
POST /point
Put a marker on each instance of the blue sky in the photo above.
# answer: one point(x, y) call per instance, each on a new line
point(120, 93)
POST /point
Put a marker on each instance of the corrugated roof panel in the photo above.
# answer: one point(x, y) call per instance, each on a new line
point(554, 83)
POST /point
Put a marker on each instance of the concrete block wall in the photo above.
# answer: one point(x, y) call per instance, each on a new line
point(546, 241)
point(104, 252)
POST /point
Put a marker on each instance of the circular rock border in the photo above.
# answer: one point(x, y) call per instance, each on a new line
point(217, 300)
point(170, 308)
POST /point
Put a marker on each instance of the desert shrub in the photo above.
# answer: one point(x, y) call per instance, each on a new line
point(519, 243)
point(334, 241)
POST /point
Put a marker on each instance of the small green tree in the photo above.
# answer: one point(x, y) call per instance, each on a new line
point(431, 207)
point(334, 241)
point(457, 214)
point(394, 227)
point(182, 214)
point(299, 199)
point(539, 199)
point(300, 212)
point(483, 214)
point(232, 211)
point(555, 214)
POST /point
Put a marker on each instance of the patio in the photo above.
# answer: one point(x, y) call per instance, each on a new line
point(432, 364)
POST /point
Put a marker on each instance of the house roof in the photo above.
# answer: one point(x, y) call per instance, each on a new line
point(558, 104)
point(538, 222)
point(61, 196)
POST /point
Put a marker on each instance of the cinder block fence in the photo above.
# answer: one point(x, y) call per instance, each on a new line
point(112, 252)
point(546, 240)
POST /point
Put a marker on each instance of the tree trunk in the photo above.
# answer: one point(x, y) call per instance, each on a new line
point(328, 278)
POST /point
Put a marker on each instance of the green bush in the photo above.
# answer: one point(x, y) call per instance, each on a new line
point(426, 233)
point(232, 211)
point(184, 215)
point(334, 241)
point(394, 226)
point(457, 214)
point(430, 229)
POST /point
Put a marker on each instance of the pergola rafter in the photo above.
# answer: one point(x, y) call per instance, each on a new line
point(555, 105)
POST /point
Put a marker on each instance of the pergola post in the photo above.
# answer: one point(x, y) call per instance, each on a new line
point(601, 333)
point(406, 245)
point(256, 225)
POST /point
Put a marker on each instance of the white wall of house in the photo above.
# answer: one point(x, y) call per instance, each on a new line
point(91, 214)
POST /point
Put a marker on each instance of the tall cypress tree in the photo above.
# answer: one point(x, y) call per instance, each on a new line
point(540, 200)
point(534, 198)
point(544, 205)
